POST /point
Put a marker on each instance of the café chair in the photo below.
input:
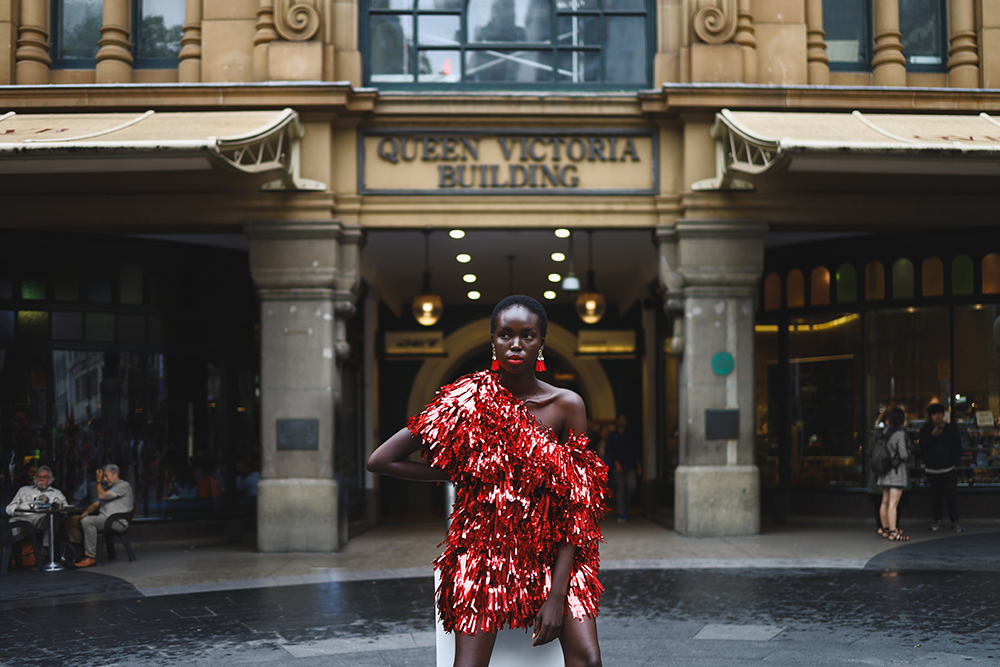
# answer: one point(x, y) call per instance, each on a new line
point(10, 534)
point(109, 537)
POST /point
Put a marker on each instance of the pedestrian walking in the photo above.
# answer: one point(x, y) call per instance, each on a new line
point(894, 482)
point(942, 448)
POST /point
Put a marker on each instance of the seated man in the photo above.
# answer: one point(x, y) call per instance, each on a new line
point(40, 493)
point(114, 496)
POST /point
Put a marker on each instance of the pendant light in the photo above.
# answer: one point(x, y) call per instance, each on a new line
point(590, 305)
point(427, 306)
point(571, 283)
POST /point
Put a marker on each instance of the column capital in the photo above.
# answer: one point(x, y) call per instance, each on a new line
point(305, 255)
point(720, 253)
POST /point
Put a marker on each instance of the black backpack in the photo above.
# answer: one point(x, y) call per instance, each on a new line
point(880, 458)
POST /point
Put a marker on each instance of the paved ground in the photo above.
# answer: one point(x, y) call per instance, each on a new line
point(792, 596)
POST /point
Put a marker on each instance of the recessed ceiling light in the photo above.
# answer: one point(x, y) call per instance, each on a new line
point(469, 277)
point(474, 295)
point(456, 234)
point(464, 258)
point(562, 233)
point(558, 257)
point(554, 277)
point(549, 294)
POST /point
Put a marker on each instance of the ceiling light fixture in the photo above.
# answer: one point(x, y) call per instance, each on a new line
point(427, 307)
point(549, 294)
point(456, 234)
point(562, 233)
point(464, 258)
point(469, 277)
point(473, 295)
point(570, 283)
point(590, 305)
point(554, 277)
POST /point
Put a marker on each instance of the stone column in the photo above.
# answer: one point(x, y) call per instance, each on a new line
point(306, 276)
point(717, 484)
point(262, 39)
point(745, 38)
point(963, 51)
point(114, 58)
point(189, 69)
point(816, 57)
point(32, 60)
point(347, 59)
point(889, 64)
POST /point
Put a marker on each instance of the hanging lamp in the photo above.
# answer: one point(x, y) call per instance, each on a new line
point(590, 305)
point(427, 306)
point(570, 283)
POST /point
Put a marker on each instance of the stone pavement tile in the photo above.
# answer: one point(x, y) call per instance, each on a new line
point(415, 657)
point(613, 627)
point(756, 633)
point(707, 648)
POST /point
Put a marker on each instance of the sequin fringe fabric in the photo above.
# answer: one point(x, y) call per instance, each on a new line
point(520, 494)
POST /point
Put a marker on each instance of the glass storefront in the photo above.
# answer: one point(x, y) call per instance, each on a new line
point(847, 331)
point(134, 353)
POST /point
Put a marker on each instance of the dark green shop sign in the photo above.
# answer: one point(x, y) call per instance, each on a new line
point(516, 162)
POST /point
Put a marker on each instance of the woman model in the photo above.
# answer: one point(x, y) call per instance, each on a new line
point(894, 482)
point(522, 547)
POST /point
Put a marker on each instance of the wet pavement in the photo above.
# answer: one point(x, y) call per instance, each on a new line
point(927, 602)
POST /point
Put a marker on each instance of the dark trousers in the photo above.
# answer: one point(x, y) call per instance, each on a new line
point(944, 485)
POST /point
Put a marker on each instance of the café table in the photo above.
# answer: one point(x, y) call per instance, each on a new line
point(52, 565)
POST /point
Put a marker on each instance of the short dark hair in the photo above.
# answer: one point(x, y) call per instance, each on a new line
point(934, 408)
point(525, 302)
point(896, 418)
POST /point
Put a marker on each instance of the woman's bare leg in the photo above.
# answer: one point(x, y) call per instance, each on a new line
point(579, 643)
point(883, 511)
point(474, 650)
point(894, 496)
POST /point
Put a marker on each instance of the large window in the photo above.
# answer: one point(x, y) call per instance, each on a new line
point(508, 43)
point(157, 28)
point(850, 41)
point(925, 43)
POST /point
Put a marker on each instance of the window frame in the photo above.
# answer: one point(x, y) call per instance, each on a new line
point(55, 34)
point(648, 14)
point(148, 63)
point(868, 44)
point(943, 37)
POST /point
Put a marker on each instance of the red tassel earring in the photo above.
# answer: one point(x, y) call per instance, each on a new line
point(495, 366)
point(540, 362)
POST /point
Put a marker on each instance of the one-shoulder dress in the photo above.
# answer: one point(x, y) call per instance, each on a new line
point(520, 495)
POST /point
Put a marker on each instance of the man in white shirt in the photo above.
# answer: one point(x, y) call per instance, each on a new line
point(39, 494)
point(114, 496)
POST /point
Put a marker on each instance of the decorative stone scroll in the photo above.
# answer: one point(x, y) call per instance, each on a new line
point(296, 22)
point(716, 22)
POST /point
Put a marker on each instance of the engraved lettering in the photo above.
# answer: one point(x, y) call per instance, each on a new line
point(388, 149)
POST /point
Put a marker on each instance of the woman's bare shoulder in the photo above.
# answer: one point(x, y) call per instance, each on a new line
point(565, 398)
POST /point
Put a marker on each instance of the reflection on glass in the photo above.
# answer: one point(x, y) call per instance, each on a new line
point(130, 287)
point(977, 385)
point(440, 5)
point(844, 22)
point(625, 49)
point(932, 277)
point(847, 284)
point(395, 4)
point(507, 21)
point(902, 279)
point(440, 66)
point(796, 286)
point(991, 274)
point(6, 324)
point(819, 283)
point(920, 22)
point(161, 26)
point(33, 287)
point(574, 5)
point(579, 31)
point(99, 286)
point(439, 30)
point(100, 327)
point(826, 394)
point(79, 29)
point(772, 292)
point(624, 4)
point(33, 324)
point(874, 281)
point(579, 66)
point(962, 279)
point(67, 283)
point(391, 53)
point(67, 326)
point(520, 66)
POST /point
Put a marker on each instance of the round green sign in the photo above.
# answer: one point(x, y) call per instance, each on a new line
point(723, 363)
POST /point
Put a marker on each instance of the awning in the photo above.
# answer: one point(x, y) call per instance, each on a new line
point(750, 144)
point(252, 142)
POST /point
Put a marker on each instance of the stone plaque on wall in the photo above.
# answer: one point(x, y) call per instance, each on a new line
point(294, 434)
point(514, 162)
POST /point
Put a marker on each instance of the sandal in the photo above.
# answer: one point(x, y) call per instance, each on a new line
point(881, 532)
point(897, 536)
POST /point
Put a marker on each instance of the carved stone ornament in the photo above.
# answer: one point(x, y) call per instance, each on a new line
point(715, 23)
point(296, 22)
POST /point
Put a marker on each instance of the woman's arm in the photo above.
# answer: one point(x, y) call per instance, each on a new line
point(392, 458)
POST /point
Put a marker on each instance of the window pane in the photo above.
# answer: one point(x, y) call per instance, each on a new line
point(99, 286)
point(902, 279)
point(576, 5)
point(509, 21)
point(796, 286)
point(131, 329)
point(161, 26)
point(772, 292)
point(874, 281)
point(79, 29)
point(393, 4)
point(625, 49)
point(33, 324)
point(6, 323)
point(67, 326)
point(392, 37)
point(962, 281)
point(768, 408)
point(100, 327)
point(33, 287)
point(130, 287)
point(579, 66)
point(6, 288)
point(67, 283)
point(819, 287)
point(932, 277)
point(520, 66)
point(440, 66)
point(579, 31)
point(452, 5)
point(439, 30)
point(844, 22)
point(624, 4)
point(991, 274)
point(847, 284)
point(921, 25)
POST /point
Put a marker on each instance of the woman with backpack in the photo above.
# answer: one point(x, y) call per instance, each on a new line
point(896, 478)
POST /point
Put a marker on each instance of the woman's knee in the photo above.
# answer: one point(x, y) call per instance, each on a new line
point(587, 658)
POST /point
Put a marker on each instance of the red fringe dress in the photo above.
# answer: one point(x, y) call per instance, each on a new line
point(520, 494)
